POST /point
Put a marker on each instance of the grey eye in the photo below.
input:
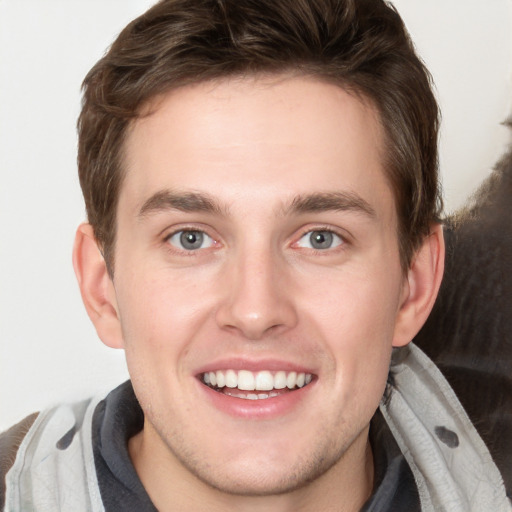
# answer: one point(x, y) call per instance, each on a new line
point(190, 240)
point(320, 240)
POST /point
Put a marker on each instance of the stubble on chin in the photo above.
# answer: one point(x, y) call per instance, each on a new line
point(261, 478)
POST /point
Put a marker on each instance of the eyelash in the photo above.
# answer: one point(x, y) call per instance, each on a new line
point(325, 229)
point(173, 249)
point(304, 232)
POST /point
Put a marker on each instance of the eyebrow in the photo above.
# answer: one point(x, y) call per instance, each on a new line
point(330, 201)
point(182, 201)
point(316, 202)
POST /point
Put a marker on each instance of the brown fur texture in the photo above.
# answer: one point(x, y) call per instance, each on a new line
point(469, 333)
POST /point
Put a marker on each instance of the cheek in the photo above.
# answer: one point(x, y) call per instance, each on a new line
point(356, 309)
point(356, 318)
point(159, 312)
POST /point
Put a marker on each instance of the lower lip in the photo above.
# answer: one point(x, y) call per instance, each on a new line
point(265, 408)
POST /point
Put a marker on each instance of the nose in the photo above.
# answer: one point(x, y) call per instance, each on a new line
point(258, 297)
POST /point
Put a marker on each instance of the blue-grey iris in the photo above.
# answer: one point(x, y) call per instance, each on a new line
point(191, 240)
point(321, 239)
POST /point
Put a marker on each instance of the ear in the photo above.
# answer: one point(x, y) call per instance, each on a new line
point(420, 287)
point(96, 287)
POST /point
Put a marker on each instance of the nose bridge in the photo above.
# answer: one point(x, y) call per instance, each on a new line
point(257, 298)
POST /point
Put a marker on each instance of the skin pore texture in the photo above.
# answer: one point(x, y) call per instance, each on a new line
point(256, 231)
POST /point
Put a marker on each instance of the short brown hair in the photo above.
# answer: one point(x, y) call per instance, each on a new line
point(361, 45)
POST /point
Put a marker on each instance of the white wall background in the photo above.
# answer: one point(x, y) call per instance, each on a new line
point(49, 352)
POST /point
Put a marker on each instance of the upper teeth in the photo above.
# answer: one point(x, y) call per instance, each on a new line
point(261, 381)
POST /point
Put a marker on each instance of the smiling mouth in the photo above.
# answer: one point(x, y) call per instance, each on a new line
point(255, 385)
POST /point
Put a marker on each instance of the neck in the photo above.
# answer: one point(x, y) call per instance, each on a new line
point(344, 487)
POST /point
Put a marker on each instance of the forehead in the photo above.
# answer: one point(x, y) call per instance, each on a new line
point(269, 137)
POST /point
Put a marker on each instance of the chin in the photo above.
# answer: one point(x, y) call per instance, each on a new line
point(268, 482)
point(265, 471)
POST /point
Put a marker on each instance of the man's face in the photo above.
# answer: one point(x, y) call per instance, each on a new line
point(256, 240)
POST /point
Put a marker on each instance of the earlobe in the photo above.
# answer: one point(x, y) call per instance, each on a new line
point(96, 287)
point(421, 287)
